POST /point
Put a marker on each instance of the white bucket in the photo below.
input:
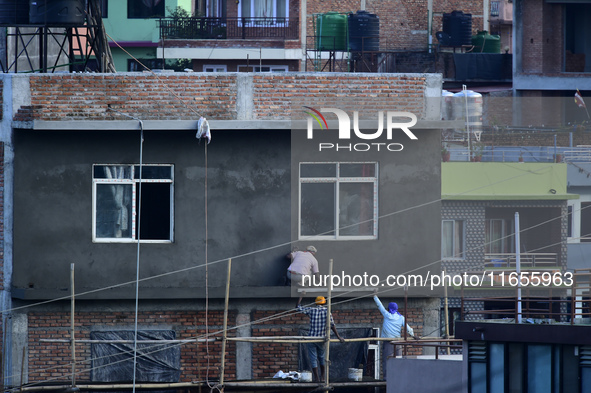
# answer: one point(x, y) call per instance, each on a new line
point(306, 376)
point(355, 374)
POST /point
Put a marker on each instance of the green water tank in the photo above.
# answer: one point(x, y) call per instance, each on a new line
point(331, 31)
point(486, 43)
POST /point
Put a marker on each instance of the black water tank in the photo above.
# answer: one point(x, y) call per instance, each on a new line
point(364, 31)
point(459, 28)
point(14, 12)
point(57, 12)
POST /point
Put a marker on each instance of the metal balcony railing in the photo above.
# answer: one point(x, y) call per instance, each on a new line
point(527, 259)
point(197, 28)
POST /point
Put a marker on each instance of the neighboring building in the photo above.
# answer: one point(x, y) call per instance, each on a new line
point(283, 35)
point(525, 357)
point(551, 48)
point(72, 151)
point(579, 213)
point(132, 27)
point(479, 202)
point(501, 23)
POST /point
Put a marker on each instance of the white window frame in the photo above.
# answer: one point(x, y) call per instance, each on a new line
point(461, 252)
point(215, 67)
point(338, 180)
point(132, 181)
point(272, 68)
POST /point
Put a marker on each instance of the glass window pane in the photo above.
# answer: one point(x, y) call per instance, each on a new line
point(458, 239)
point(497, 367)
point(539, 368)
point(281, 7)
point(145, 8)
point(155, 214)
point(245, 7)
point(356, 209)
point(318, 170)
point(153, 172)
point(317, 209)
point(585, 222)
point(478, 377)
point(263, 8)
point(494, 236)
point(447, 239)
point(112, 172)
point(516, 364)
point(113, 210)
point(357, 170)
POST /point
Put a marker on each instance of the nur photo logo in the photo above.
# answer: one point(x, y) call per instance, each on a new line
point(393, 122)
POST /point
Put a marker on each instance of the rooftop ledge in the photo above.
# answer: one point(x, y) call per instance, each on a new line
point(191, 125)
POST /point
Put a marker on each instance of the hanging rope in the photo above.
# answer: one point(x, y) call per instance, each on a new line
point(137, 270)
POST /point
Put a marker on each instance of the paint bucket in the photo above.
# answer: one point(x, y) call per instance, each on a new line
point(355, 374)
point(306, 376)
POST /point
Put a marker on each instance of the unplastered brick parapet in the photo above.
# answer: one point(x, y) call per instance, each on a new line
point(219, 97)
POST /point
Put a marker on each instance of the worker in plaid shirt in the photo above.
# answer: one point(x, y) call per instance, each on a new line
point(316, 351)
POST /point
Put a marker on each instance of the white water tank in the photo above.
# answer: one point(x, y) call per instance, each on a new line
point(471, 101)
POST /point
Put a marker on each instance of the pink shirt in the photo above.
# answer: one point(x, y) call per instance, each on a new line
point(303, 262)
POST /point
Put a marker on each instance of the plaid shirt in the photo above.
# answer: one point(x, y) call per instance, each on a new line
point(317, 320)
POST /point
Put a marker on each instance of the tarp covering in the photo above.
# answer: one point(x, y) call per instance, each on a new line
point(342, 356)
point(489, 66)
point(113, 362)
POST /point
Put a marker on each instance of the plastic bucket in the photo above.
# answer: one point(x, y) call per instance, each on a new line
point(306, 376)
point(355, 374)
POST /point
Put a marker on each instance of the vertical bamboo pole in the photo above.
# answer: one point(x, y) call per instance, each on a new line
point(327, 343)
point(225, 336)
point(22, 369)
point(405, 353)
point(72, 326)
point(197, 352)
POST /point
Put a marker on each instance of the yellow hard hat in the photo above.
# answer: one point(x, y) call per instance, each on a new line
point(320, 300)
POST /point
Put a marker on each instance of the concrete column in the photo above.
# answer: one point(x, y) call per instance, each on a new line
point(303, 31)
point(243, 349)
point(244, 97)
point(20, 347)
point(16, 92)
point(433, 96)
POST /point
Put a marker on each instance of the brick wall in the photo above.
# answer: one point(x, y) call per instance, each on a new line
point(274, 94)
point(542, 46)
point(183, 96)
point(51, 360)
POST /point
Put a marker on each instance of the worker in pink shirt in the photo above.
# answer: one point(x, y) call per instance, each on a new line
point(302, 263)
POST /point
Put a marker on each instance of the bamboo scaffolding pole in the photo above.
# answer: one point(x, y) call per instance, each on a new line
point(72, 325)
point(267, 339)
point(63, 340)
point(327, 344)
point(299, 339)
point(225, 336)
point(23, 369)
